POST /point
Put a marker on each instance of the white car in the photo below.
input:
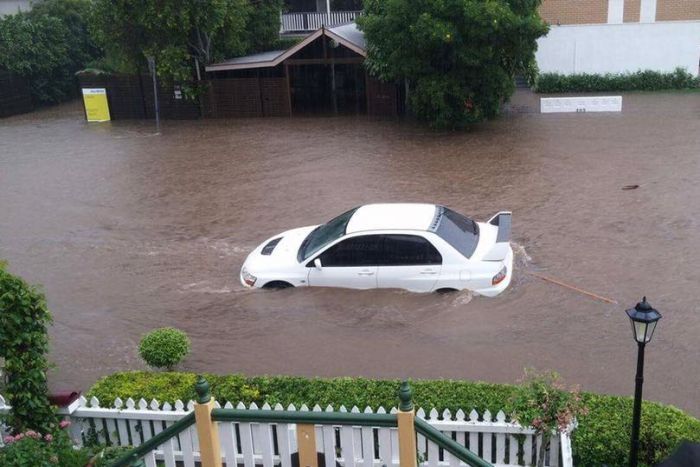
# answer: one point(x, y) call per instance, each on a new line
point(417, 247)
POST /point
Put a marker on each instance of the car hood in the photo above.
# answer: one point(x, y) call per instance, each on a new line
point(283, 254)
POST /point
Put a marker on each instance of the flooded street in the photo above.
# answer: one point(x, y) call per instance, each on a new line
point(129, 231)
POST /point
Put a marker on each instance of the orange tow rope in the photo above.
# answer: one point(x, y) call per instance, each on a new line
point(571, 287)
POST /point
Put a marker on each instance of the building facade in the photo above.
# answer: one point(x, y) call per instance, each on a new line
point(567, 12)
point(620, 36)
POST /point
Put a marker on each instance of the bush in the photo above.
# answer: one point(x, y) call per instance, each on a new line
point(639, 81)
point(24, 342)
point(602, 436)
point(164, 348)
point(545, 404)
point(107, 456)
point(31, 449)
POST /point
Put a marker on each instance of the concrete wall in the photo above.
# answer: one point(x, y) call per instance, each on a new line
point(619, 48)
point(10, 7)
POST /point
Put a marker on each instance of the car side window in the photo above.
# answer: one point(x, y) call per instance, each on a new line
point(354, 252)
point(409, 250)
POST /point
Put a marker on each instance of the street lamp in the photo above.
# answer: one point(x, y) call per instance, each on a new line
point(643, 319)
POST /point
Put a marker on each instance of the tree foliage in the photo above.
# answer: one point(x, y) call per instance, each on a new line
point(176, 32)
point(459, 57)
point(24, 318)
point(46, 46)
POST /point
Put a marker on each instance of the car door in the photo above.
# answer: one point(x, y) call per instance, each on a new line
point(349, 263)
point(409, 262)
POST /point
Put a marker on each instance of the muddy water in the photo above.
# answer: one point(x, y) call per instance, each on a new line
point(129, 231)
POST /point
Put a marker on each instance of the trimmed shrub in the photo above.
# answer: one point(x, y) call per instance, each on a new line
point(640, 81)
point(602, 436)
point(164, 348)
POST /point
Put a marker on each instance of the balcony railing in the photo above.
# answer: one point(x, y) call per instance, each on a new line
point(310, 21)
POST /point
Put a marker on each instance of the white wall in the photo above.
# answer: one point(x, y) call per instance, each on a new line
point(619, 48)
point(10, 7)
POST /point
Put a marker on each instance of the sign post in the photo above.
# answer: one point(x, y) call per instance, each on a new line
point(152, 69)
point(96, 105)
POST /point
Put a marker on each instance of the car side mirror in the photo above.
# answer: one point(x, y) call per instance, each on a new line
point(317, 264)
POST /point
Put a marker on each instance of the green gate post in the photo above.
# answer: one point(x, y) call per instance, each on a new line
point(407, 430)
point(207, 429)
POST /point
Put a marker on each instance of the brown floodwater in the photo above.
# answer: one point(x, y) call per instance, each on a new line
point(129, 231)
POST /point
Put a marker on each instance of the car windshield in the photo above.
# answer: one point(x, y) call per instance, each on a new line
point(324, 234)
point(457, 230)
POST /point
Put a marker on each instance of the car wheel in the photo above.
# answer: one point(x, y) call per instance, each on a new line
point(277, 285)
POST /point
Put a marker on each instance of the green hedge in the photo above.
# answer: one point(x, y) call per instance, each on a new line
point(602, 436)
point(639, 81)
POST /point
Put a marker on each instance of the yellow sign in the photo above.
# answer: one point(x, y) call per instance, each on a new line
point(96, 106)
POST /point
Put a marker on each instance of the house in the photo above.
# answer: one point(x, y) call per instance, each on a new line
point(302, 16)
point(587, 36)
point(323, 73)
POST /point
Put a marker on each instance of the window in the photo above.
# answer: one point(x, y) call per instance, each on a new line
point(354, 252)
point(459, 231)
point(324, 234)
point(409, 250)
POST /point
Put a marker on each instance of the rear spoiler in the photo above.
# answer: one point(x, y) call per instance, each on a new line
point(499, 251)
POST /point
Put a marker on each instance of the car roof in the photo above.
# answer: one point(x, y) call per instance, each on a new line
point(390, 216)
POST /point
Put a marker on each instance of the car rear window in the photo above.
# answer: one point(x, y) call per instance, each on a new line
point(457, 230)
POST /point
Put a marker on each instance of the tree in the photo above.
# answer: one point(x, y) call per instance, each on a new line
point(37, 50)
point(459, 57)
point(178, 32)
point(46, 46)
point(74, 14)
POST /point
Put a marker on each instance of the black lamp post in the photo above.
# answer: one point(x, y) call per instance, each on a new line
point(643, 318)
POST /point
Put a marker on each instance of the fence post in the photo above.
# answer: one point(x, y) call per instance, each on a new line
point(207, 430)
point(306, 442)
point(407, 430)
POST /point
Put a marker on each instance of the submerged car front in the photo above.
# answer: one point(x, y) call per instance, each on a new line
point(275, 260)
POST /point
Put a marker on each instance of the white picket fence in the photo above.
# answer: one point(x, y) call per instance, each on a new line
point(310, 21)
point(131, 423)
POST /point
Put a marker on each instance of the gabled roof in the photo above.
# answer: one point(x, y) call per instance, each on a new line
point(347, 35)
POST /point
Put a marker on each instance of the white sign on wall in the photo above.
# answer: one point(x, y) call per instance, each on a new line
point(581, 104)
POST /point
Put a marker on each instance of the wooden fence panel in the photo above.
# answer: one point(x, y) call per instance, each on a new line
point(234, 97)
point(15, 95)
point(382, 98)
point(275, 97)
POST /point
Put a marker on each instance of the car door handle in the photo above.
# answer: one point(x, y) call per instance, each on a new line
point(365, 273)
point(428, 273)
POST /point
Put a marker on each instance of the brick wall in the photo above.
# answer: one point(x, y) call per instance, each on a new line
point(631, 11)
point(677, 10)
point(575, 11)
